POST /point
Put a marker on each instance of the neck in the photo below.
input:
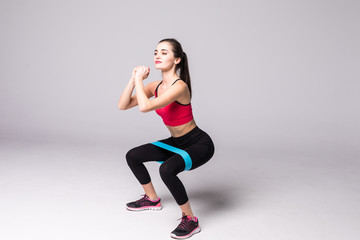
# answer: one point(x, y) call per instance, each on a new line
point(169, 76)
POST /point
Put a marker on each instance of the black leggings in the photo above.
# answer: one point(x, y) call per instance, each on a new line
point(196, 143)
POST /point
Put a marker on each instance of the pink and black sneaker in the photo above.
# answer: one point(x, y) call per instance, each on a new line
point(186, 228)
point(144, 203)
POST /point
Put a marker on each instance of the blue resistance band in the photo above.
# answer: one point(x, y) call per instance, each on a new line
point(182, 153)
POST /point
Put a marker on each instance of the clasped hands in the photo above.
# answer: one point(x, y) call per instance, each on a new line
point(140, 73)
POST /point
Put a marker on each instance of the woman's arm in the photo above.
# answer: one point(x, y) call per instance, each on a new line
point(127, 100)
point(170, 95)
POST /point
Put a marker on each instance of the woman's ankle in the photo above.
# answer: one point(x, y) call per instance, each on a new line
point(153, 197)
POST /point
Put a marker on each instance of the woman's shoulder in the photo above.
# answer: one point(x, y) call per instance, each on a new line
point(180, 82)
point(184, 89)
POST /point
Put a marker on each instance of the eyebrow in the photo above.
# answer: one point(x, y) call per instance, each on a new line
point(161, 49)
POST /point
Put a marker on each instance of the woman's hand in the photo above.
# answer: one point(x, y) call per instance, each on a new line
point(132, 79)
point(133, 74)
point(141, 72)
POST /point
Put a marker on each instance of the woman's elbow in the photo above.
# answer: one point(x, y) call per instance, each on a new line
point(143, 109)
point(121, 107)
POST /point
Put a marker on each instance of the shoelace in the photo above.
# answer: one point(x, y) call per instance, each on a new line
point(184, 222)
point(143, 199)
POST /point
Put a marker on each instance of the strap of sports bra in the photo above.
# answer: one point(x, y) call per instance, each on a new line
point(157, 88)
point(161, 83)
point(175, 81)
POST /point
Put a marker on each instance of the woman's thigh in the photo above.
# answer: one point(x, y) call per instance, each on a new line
point(147, 153)
point(200, 153)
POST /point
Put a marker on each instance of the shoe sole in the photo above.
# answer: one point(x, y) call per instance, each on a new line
point(196, 230)
point(144, 208)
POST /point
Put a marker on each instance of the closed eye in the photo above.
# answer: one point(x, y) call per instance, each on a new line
point(164, 53)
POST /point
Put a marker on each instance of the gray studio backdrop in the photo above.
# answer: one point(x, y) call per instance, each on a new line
point(267, 75)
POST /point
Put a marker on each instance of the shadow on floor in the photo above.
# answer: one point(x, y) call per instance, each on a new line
point(211, 200)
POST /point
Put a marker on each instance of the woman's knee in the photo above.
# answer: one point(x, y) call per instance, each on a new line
point(164, 171)
point(132, 157)
point(169, 169)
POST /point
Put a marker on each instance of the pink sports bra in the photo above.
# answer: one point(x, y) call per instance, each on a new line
point(175, 113)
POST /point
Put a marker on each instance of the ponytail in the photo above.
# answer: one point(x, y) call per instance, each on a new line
point(184, 71)
point(183, 66)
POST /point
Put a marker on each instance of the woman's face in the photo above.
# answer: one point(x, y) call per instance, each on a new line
point(164, 56)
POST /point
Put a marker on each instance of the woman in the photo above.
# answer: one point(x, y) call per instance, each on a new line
point(188, 147)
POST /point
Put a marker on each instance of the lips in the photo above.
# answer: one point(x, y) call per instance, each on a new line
point(157, 62)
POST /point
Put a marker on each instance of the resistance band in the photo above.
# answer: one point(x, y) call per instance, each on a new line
point(182, 153)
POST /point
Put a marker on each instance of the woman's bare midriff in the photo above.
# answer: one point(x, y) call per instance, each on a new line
point(181, 130)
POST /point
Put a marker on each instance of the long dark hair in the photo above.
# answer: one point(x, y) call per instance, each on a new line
point(183, 66)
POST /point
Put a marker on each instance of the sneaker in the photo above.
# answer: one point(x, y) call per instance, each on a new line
point(144, 203)
point(186, 228)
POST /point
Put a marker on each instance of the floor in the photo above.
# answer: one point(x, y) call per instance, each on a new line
point(56, 191)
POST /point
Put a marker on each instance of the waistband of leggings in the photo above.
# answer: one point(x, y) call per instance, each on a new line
point(188, 135)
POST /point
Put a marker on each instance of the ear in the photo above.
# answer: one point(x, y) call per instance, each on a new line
point(177, 60)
